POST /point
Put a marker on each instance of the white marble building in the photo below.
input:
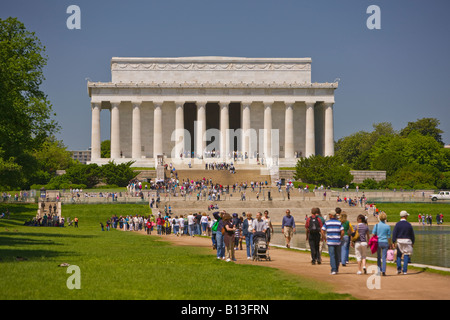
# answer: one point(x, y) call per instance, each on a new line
point(256, 108)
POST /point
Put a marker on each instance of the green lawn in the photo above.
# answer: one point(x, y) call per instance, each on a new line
point(393, 210)
point(124, 265)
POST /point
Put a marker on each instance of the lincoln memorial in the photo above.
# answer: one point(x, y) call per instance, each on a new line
point(247, 110)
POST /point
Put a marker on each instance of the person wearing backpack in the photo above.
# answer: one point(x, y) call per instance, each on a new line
point(217, 227)
point(313, 226)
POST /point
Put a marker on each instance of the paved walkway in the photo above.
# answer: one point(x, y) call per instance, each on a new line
point(416, 285)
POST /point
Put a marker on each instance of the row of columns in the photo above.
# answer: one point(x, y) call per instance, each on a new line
point(201, 129)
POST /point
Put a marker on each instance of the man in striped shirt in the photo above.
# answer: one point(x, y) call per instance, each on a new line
point(332, 233)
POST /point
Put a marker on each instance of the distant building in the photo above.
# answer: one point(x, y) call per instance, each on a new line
point(447, 146)
point(82, 156)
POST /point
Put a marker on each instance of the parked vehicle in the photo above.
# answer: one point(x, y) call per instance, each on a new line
point(442, 195)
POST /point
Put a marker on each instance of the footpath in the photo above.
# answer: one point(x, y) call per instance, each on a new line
point(416, 285)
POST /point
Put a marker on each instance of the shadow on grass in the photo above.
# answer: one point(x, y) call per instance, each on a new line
point(15, 246)
point(14, 255)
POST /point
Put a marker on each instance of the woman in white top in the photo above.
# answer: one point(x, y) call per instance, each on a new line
point(181, 223)
point(204, 222)
point(269, 227)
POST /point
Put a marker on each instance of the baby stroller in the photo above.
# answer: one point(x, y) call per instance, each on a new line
point(260, 249)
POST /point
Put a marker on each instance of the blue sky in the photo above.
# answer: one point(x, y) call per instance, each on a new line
point(397, 74)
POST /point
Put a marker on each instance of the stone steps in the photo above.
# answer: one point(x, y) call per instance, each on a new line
point(224, 177)
point(277, 209)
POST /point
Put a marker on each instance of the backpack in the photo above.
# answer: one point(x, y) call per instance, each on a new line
point(314, 226)
point(215, 225)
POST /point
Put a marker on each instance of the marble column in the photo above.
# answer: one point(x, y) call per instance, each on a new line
point(201, 129)
point(329, 130)
point(310, 143)
point(289, 131)
point(224, 127)
point(246, 140)
point(157, 130)
point(136, 144)
point(115, 131)
point(95, 131)
point(179, 128)
point(268, 129)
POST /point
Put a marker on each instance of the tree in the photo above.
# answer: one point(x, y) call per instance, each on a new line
point(415, 176)
point(118, 174)
point(105, 149)
point(388, 154)
point(329, 171)
point(426, 127)
point(87, 174)
point(26, 112)
point(355, 149)
point(53, 156)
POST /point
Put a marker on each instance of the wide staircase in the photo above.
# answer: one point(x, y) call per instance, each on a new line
point(223, 177)
point(299, 205)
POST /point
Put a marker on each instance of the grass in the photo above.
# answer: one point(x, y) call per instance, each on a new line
point(123, 265)
point(393, 210)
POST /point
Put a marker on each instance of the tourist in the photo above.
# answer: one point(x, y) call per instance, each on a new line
point(214, 224)
point(288, 227)
point(345, 245)
point(191, 224)
point(149, 226)
point(241, 236)
point(197, 219)
point(269, 226)
point(181, 224)
point(360, 244)
point(204, 223)
point(403, 236)
point(259, 225)
point(321, 243)
point(220, 236)
point(313, 226)
point(176, 226)
point(229, 237)
point(383, 232)
point(159, 224)
point(237, 224)
point(247, 231)
point(438, 219)
point(332, 233)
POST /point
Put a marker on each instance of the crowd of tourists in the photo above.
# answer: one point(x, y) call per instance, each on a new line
point(428, 219)
point(220, 166)
point(339, 234)
point(52, 220)
point(336, 232)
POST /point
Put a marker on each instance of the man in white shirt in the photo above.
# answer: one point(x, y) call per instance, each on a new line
point(191, 224)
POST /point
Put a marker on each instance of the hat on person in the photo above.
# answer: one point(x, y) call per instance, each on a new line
point(332, 212)
point(404, 213)
point(235, 215)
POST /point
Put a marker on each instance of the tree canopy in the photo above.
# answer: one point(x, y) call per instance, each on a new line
point(414, 157)
point(26, 121)
point(329, 171)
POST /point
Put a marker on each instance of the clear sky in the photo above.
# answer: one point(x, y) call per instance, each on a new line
point(397, 74)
